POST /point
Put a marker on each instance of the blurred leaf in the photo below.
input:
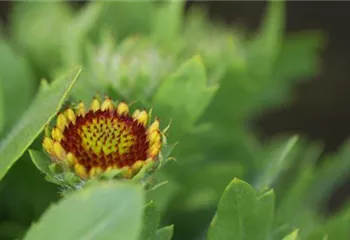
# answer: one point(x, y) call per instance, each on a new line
point(150, 222)
point(297, 60)
point(266, 211)
point(39, 28)
point(203, 183)
point(171, 13)
point(299, 56)
point(292, 236)
point(2, 109)
point(77, 33)
point(277, 162)
point(264, 49)
point(163, 195)
point(41, 111)
point(184, 95)
point(165, 233)
point(291, 203)
point(41, 161)
point(337, 227)
point(240, 215)
point(24, 201)
point(16, 83)
point(103, 211)
point(124, 18)
point(332, 171)
point(11, 230)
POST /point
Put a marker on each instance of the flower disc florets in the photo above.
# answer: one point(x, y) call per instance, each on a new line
point(94, 141)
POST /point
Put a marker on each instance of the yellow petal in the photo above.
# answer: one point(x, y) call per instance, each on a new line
point(48, 145)
point(136, 113)
point(70, 115)
point(61, 122)
point(95, 171)
point(80, 111)
point(154, 126)
point(107, 105)
point(110, 168)
point(154, 150)
point(152, 136)
point(59, 151)
point(137, 165)
point(142, 118)
point(95, 105)
point(56, 134)
point(128, 173)
point(122, 108)
point(80, 170)
point(71, 159)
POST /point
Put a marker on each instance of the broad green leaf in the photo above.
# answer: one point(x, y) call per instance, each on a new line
point(184, 95)
point(277, 162)
point(41, 111)
point(103, 211)
point(292, 236)
point(165, 233)
point(17, 83)
point(150, 222)
point(41, 161)
point(241, 215)
point(170, 12)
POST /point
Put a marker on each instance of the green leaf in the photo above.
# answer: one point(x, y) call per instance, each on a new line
point(292, 236)
point(17, 84)
point(277, 162)
point(165, 233)
point(124, 18)
point(170, 12)
point(163, 195)
point(265, 213)
point(40, 112)
point(241, 215)
point(184, 95)
point(336, 227)
point(333, 171)
point(150, 222)
point(266, 46)
point(41, 161)
point(110, 210)
point(204, 183)
point(39, 28)
point(2, 109)
point(77, 34)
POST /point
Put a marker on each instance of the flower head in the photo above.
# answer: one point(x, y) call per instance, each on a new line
point(103, 137)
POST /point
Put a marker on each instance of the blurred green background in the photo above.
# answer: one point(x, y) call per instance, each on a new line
point(318, 106)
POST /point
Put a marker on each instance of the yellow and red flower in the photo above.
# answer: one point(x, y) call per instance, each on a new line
point(104, 137)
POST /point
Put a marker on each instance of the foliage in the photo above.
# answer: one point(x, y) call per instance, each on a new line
point(209, 80)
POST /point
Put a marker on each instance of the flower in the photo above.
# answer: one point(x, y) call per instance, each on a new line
point(102, 138)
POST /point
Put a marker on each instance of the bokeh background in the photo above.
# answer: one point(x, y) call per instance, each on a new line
point(320, 109)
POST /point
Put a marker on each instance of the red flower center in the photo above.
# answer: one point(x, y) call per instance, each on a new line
point(104, 139)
